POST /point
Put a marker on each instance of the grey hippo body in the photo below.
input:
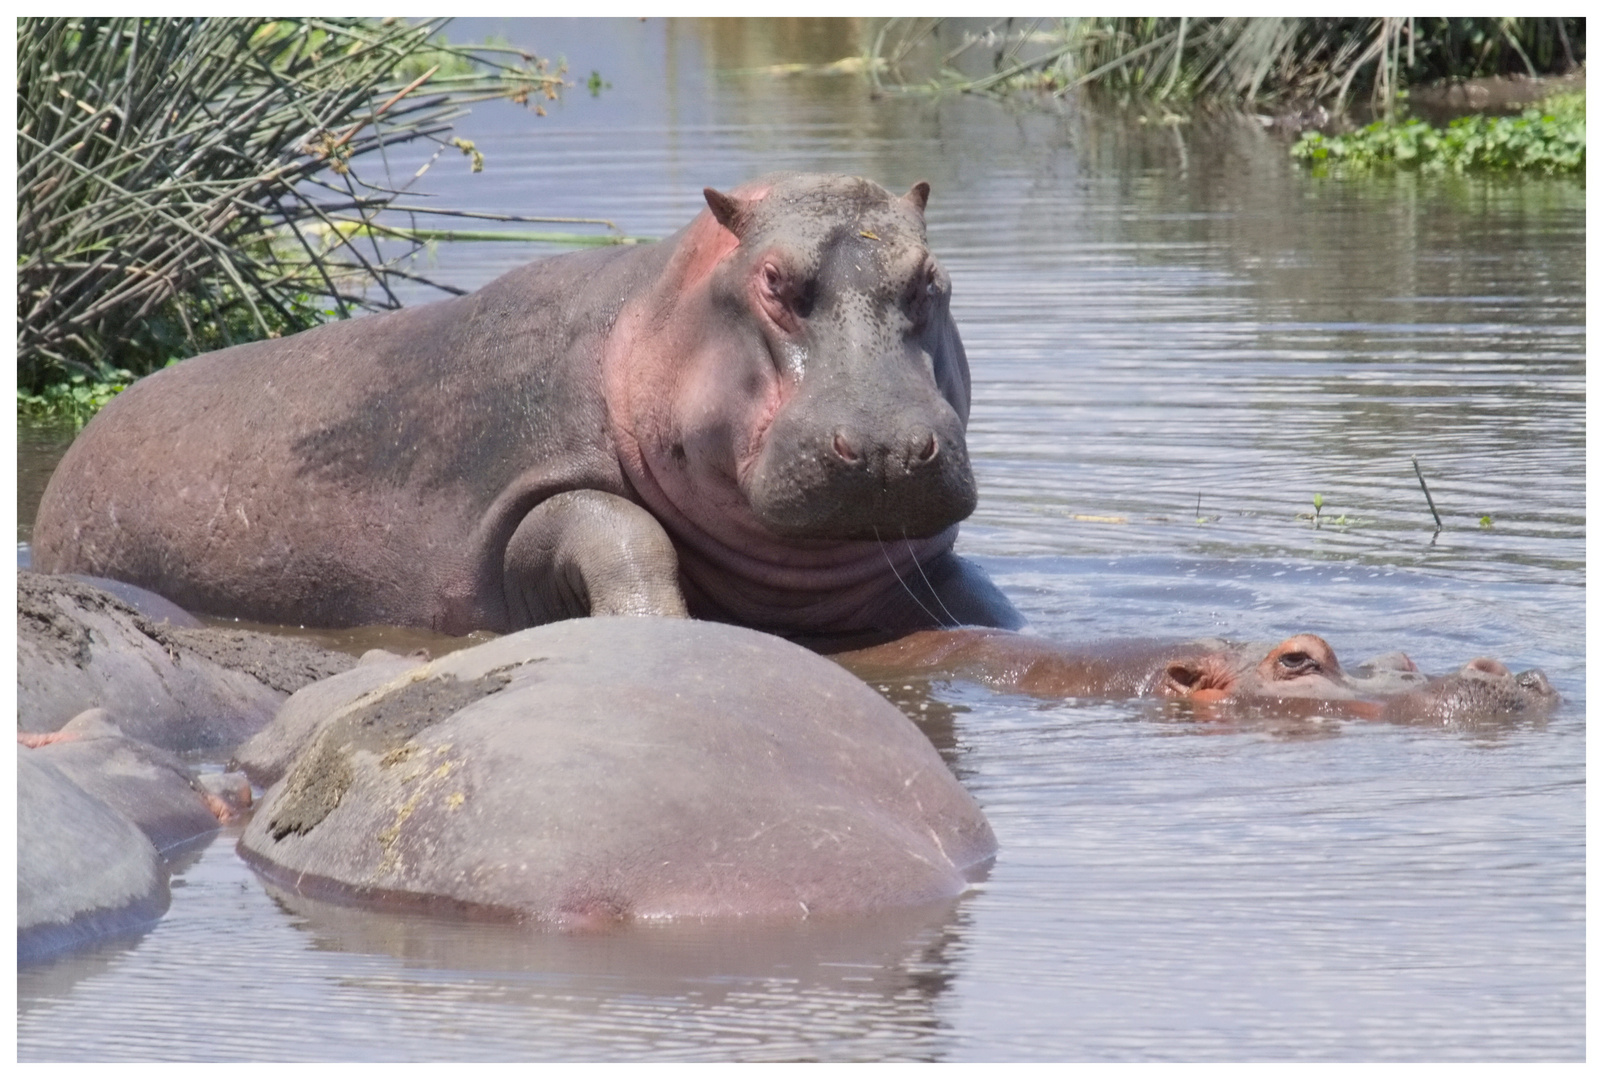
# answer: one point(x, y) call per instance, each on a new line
point(177, 686)
point(84, 871)
point(725, 424)
point(607, 770)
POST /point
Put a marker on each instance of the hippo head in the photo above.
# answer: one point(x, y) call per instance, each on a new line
point(837, 296)
point(1390, 687)
point(1303, 666)
point(1481, 688)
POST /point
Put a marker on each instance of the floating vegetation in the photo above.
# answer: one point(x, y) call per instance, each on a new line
point(184, 184)
point(72, 401)
point(1550, 139)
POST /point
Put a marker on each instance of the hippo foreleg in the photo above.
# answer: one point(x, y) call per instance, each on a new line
point(590, 553)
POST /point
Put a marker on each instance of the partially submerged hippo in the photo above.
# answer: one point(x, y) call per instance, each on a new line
point(169, 802)
point(1302, 669)
point(175, 686)
point(727, 423)
point(84, 871)
point(602, 770)
point(99, 816)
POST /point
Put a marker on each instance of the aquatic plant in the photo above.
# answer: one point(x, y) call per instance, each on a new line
point(1550, 138)
point(183, 184)
point(73, 400)
point(1282, 60)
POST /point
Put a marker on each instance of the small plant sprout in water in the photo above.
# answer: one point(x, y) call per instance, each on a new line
point(1336, 521)
point(1486, 521)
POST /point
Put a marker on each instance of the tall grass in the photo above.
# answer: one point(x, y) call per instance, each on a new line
point(185, 183)
point(1285, 60)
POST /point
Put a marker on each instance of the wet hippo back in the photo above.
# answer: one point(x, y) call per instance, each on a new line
point(608, 769)
point(360, 472)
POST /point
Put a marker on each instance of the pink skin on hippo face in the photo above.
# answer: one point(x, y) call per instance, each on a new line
point(792, 393)
point(1303, 666)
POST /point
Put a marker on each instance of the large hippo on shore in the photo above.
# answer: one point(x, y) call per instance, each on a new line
point(759, 420)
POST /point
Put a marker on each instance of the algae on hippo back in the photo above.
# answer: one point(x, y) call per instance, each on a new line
point(180, 687)
point(719, 425)
point(382, 722)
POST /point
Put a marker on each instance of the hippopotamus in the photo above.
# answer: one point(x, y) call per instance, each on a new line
point(84, 871)
point(1300, 673)
point(166, 682)
point(606, 770)
point(169, 802)
point(759, 421)
point(101, 818)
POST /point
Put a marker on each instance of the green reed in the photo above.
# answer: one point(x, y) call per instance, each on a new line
point(183, 184)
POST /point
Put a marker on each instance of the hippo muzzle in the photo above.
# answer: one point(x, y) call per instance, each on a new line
point(852, 471)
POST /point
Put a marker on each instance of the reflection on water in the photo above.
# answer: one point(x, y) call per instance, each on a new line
point(391, 988)
point(39, 447)
point(1177, 340)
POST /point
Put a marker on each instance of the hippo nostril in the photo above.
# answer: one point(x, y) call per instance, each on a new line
point(1486, 666)
point(929, 450)
point(844, 449)
point(1536, 682)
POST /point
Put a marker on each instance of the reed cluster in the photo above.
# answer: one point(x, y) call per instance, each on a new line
point(186, 183)
point(1282, 60)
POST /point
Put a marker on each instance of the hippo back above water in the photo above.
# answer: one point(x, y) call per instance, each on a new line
point(760, 420)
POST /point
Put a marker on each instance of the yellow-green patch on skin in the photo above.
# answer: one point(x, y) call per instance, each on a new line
point(391, 864)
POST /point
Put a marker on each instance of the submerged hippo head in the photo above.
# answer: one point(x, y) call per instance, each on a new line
point(818, 388)
point(1389, 687)
point(1301, 673)
point(1303, 666)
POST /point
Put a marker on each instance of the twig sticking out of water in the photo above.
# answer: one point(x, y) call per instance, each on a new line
point(1430, 502)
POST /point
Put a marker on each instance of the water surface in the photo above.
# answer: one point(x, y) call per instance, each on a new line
point(1177, 340)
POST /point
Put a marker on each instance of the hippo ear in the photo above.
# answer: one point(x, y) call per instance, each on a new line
point(1181, 677)
point(732, 212)
point(1200, 678)
point(919, 195)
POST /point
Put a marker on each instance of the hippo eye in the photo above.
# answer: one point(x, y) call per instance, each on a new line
point(785, 298)
point(1297, 663)
point(923, 291)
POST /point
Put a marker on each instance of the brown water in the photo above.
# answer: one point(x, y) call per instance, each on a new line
point(1155, 315)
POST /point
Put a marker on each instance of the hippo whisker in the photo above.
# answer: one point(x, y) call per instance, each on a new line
point(956, 622)
point(908, 589)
